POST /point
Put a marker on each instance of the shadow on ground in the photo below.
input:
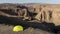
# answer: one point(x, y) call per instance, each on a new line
point(50, 27)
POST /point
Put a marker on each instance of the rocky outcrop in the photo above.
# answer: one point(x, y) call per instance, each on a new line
point(42, 12)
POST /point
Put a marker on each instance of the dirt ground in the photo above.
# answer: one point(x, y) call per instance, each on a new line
point(7, 29)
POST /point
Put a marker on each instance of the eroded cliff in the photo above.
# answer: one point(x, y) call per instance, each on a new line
point(49, 13)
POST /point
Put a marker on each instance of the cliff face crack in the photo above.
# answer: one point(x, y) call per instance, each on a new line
point(44, 15)
point(50, 15)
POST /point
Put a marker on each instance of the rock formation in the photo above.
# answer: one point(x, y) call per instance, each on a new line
point(42, 12)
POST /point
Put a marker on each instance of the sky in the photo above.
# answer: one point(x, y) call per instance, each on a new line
point(31, 1)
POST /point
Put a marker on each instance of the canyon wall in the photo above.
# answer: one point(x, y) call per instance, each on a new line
point(49, 13)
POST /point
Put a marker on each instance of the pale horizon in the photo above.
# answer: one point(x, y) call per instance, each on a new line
point(31, 1)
